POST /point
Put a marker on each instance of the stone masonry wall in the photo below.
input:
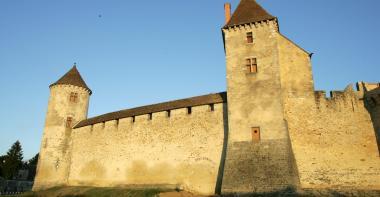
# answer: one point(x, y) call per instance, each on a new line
point(254, 100)
point(183, 150)
point(334, 141)
point(54, 158)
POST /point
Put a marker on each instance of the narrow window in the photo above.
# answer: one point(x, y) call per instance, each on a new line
point(248, 64)
point(133, 118)
point(69, 122)
point(117, 122)
point(73, 97)
point(150, 116)
point(168, 113)
point(254, 65)
point(255, 134)
point(212, 107)
point(188, 110)
point(249, 37)
point(251, 65)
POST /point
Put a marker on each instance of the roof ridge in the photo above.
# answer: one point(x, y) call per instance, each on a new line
point(248, 11)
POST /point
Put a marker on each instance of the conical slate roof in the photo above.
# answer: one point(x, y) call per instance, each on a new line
point(72, 77)
point(248, 11)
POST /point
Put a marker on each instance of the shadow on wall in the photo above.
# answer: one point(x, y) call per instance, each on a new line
point(218, 187)
point(285, 192)
point(290, 192)
point(372, 106)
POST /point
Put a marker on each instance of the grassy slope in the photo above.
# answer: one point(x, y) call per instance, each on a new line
point(98, 192)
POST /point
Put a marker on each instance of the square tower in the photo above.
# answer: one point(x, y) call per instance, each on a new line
point(259, 156)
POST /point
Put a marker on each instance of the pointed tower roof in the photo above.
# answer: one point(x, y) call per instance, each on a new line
point(72, 77)
point(248, 11)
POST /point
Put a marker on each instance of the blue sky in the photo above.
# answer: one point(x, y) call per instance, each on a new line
point(134, 53)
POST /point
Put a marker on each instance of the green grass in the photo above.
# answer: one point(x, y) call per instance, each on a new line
point(91, 191)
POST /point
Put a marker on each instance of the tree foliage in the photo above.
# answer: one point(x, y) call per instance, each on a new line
point(12, 161)
point(31, 166)
point(2, 161)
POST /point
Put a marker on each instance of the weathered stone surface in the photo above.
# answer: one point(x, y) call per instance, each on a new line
point(55, 153)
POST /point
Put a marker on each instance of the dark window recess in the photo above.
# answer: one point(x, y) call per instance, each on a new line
point(150, 116)
point(212, 107)
point(249, 37)
point(117, 122)
point(188, 110)
point(251, 65)
point(168, 113)
point(133, 118)
point(255, 134)
point(69, 122)
point(73, 97)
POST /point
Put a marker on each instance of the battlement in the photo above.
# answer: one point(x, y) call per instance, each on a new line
point(349, 98)
point(74, 87)
point(152, 118)
point(259, 24)
point(166, 107)
point(338, 100)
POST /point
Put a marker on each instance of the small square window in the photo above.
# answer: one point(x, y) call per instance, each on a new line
point(251, 64)
point(249, 37)
point(256, 134)
point(73, 97)
point(69, 122)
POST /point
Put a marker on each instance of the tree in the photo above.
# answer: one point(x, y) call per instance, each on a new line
point(32, 166)
point(13, 161)
point(2, 161)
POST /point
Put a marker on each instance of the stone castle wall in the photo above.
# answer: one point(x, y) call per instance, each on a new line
point(183, 150)
point(334, 141)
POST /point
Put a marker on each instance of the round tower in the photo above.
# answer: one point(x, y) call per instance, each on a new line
point(68, 104)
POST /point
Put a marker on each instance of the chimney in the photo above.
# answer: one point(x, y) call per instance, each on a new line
point(227, 11)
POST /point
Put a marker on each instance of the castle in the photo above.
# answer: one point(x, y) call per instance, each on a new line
point(270, 131)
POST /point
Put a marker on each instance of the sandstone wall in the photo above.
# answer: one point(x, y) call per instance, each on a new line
point(334, 142)
point(183, 150)
point(54, 158)
point(333, 139)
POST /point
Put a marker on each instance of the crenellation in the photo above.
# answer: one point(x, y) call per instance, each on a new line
point(98, 128)
point(113, 124)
